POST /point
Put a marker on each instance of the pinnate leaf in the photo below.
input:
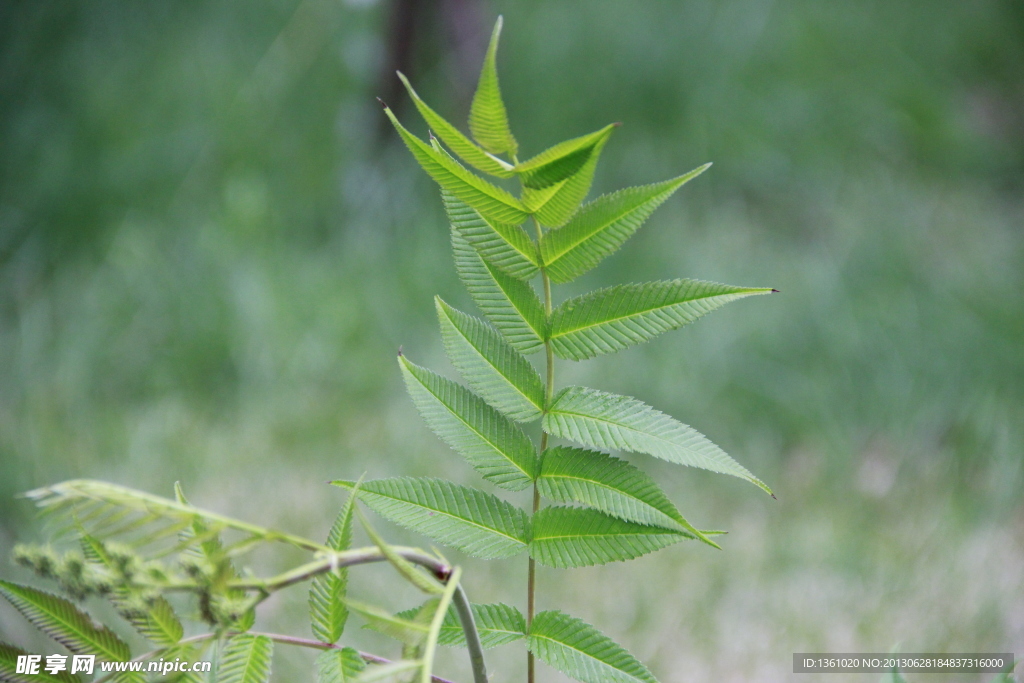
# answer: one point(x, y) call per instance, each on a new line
point(558, 163)
point(566, 537)
point(601, 227)
point(611, 485)
point(453, 137)
point(506, 246)
point(339, 665)
point(246, 659)
point(610, 421)
point(9, 667)
point(476, 522)
point(510, 305)
point(492, 443)
point(580, 651)
point(65, 623)
point(488, 120)
point(491, 201)
point(491, 365)
point(614, 318)
point(554, 205)
point(327, 611)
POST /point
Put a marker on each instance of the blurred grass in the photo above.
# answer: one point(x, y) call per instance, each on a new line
point(208, 260)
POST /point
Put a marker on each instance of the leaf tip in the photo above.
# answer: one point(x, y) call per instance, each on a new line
point(383, 103)
point(775, 291)
point(400, 354)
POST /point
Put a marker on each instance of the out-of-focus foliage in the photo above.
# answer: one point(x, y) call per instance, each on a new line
point(208, 259)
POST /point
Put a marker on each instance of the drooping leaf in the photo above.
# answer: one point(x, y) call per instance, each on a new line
point(409, 571)
point(488, 120)
point(327, 611)
point(9, 667)
point(409, 631)
point(491, 365)
point(580, 651)
point(601, 227)
point(612, 319)
point(491, 201)
point(554, 205)
point(506, 246)
point(246, 659)
point(566, 537)
point(497, 624)
point(494, 445)
point(509, 304)
point(154, 618)
point(610, 421)
point(339, 665)
point(459, 143)
point(437, 623)
point(558, 163)
point(65, 623)
point(476, 522)
point(613, 486)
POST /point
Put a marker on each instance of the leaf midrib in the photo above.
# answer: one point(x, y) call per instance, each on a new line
point(450, 516)
point(607, 487)
point(608, 321)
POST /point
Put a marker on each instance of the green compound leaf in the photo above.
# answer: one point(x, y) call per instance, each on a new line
point(491, 365)
point(494, 445)
point(9, 667)
point(246, 659)
point(492, 202)
point(154, 619)
point(611, 485)
point(580, 651)
point(611, 421)
point(65, 623)
point(506, 246)
point(558, 163)
point(566, 537)
point(327, 611)
point(459, 143)
point(509, 304)
point(339, 666)
point(488, 120)
point(602, 226)
point(612, 319)
point(473, 521)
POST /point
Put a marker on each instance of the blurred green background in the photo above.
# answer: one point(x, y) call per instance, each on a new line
point(211, 248)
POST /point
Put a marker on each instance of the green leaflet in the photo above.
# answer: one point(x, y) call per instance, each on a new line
point(565, 159)
point(613, 486)
point(614, 318)
point(410, 572)
point(497, 624)
point(492, 202)
point(454, 138)
point(9, 665)
point(555, 205)
point(339, 666)
point(492, 443)
point(506, 246)
point(566, 537)
point(476, 522)
point(65, 623)
point(411, 631)
point(511, 305)
point(491, 365)
point(157, 622)
point(327, 611)
point(601, 227)
point(488, 120)
point(437, 623)
point(246, 659)
point(610, 421)
point(579, 650)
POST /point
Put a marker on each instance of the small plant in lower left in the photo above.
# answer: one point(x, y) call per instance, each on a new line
point(134, 549)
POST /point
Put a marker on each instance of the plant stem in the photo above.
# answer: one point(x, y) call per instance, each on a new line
point(531, 579)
